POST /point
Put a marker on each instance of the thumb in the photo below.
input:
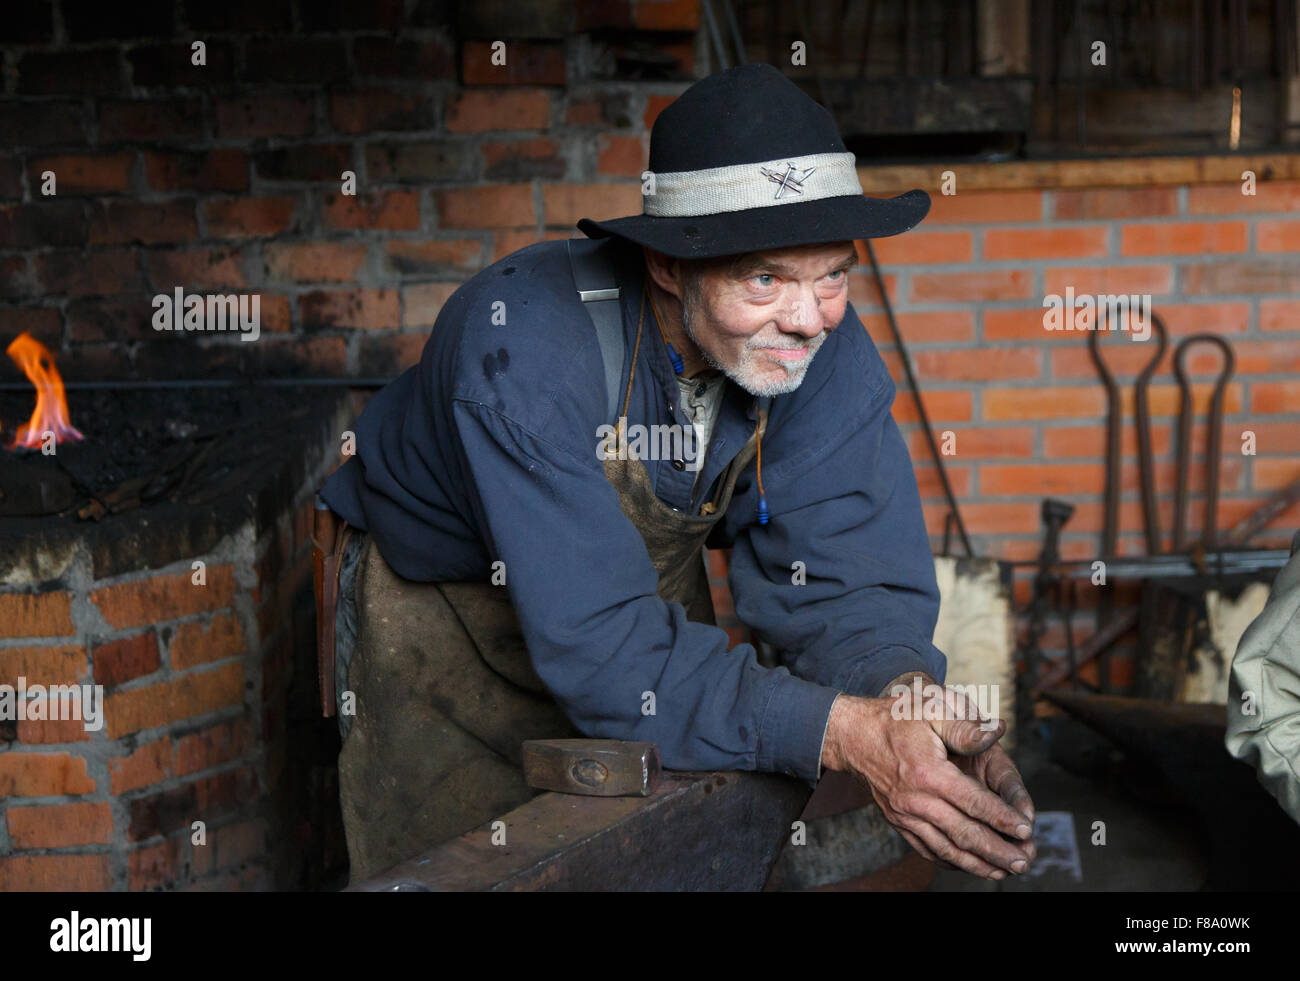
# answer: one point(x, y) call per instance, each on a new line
point(969, 738)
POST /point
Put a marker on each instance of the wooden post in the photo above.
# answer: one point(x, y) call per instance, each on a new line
point(1289, 103)
point(1003, 28)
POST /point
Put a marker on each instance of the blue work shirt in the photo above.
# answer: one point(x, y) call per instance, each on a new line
point(488, 450)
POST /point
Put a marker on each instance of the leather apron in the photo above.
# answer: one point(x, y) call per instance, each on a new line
point(445, 693)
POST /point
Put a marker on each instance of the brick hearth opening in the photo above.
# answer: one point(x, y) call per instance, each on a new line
point(211, 767)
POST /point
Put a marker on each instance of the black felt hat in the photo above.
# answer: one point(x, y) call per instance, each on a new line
point(744, 161)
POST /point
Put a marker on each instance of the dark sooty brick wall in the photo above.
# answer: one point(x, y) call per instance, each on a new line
point(228, 176)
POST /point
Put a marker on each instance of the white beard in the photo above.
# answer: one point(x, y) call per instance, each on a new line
point(747, 372)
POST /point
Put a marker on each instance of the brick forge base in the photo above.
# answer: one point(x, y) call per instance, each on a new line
point(213, 769)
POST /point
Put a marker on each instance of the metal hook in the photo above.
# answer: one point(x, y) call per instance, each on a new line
point(1146, 465)
point(1213, 451)
point(1114, 426)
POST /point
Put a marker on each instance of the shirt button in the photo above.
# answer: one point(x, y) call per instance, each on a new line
point(679, 465)
point(699, 391)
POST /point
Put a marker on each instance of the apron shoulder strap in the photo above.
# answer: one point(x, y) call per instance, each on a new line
point(597, 286)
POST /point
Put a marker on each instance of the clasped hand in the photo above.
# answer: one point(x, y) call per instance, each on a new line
point(943, 782)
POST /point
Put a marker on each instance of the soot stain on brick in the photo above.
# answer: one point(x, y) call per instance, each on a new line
point(496, 364)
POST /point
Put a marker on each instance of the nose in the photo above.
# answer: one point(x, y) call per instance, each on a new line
point(805, 317)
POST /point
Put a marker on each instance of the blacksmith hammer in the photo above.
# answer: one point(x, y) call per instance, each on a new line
point(593, 767)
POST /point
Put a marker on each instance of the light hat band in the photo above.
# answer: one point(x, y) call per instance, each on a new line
point(764, 184)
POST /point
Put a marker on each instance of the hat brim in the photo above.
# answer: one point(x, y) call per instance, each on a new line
point(835, 219)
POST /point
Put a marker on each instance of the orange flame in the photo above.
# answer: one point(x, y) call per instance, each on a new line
point(51, 413)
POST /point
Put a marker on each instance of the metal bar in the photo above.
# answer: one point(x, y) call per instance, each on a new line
point(801, 17)
point(905, 39)
point(1114, 421)
point(772, 23)
point(947, 43)
point(1217, 563)
point(1098, 642)
point(1281, 20)
point(1194, 62)
point(1253, 523)
point(1068, 606)
point(870, 15)
point(1161, 565)
point(1215, 33)
point(1113, 16)
point(837, 42)
point(1213, 451)
point(1053, 11)
point(1146, 462)
point(1110, 528)
point(1080, 122)
point(714, 36)
point(734, 27)
point(906, 358)
point(1293, 38)
point(1241, 41)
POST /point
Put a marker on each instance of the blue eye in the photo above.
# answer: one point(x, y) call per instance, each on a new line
point(767, 276)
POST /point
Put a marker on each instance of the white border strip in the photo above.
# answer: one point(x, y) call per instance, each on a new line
point(763, 184)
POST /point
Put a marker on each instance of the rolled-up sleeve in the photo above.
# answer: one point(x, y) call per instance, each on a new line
point(841, 580)
point(621, 662)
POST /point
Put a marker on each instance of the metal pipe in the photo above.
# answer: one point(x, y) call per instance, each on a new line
point(715, 35)
point(737, 38)
point(906, 358)
point(870, 15)
point(1173, 564)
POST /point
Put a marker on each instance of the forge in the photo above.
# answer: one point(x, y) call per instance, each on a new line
point(165, 558)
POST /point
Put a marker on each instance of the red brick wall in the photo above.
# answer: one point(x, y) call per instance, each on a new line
point(1026, 405)
point(196, 708)
point(52, 834)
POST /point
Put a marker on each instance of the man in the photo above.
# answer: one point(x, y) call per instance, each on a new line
point(1264, 691)
point(529, 573)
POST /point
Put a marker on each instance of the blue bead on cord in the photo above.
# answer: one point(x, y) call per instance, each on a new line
point(678, 364)
point(763, 514)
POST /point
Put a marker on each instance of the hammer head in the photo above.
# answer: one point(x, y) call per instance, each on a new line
point(594, 767)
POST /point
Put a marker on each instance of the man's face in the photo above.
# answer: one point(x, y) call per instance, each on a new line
point(761, 321)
